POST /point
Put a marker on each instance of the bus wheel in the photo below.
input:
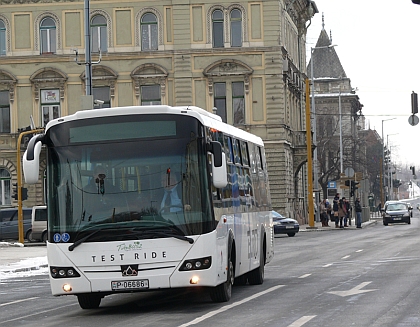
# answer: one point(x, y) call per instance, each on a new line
point(223, 292)
point(256, 276)
point(89, 301)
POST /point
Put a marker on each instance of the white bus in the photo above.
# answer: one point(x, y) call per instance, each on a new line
point(112, 228)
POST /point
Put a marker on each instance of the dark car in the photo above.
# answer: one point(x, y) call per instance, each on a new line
point(397, 212)
point(9, 223)
point(284, 225)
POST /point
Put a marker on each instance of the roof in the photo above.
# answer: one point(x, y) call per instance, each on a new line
point(326, 63)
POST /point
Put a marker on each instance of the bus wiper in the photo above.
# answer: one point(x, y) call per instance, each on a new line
point(80, 241)
point(163, 233)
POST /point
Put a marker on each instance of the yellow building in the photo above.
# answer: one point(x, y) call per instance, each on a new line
point(246, 58)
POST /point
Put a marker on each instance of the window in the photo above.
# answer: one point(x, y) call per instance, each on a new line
point(217, 22)
point(4, 112)
point(220, 100)
point(149, 32)
point(50, 105)
point(102, 93)
point(150, 95)
point(2, 38)
point(238, 103)
point(4, 187)
point(235, 28)
point(98, 33)
point(48, 35)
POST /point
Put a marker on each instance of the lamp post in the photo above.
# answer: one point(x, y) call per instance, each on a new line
point(383, 163)
point(315, 158)
point(390, 187)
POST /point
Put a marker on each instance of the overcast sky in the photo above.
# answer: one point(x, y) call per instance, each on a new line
point(378, 43)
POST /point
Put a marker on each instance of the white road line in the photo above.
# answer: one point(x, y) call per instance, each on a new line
point(304, 276)
point(36, 313)
point(18, 301)
point(230, 306)
point(359, 251)
point(301, 321)
point(327, 265)
point(345, 257)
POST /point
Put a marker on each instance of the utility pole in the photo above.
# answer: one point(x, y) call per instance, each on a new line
point(309, 162)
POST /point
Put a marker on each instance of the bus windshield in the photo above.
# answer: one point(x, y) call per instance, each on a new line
point(129, 177)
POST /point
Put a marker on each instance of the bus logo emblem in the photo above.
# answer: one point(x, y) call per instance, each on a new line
point(130, 270)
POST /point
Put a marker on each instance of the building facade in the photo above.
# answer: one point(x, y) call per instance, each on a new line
point(245, 58)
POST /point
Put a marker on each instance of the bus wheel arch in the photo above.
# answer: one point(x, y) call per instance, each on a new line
point(223, 292)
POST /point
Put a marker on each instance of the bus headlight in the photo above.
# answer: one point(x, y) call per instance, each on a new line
point(63, 272)
point(196, 264)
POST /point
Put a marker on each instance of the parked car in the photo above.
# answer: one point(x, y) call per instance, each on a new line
point(9, 224)
point(284, 225)
point(39, 223)
point(397, 212)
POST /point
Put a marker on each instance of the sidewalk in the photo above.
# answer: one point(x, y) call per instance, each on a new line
point(318, 226)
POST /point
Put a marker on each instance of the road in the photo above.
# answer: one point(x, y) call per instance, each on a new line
point(366, 277)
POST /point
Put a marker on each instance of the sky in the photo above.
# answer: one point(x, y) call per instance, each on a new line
point(378, 44)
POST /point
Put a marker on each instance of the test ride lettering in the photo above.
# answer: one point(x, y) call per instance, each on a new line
point(136, 256)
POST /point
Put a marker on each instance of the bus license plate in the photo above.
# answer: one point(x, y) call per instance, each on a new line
point(130, 285)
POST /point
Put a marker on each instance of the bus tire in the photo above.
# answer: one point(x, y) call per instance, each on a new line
point(89, 301)
point(223, 292)
point(256, 276)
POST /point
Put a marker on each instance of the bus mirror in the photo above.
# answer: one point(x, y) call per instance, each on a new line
point(219, 173)
point(215, 148)
point(31, 160)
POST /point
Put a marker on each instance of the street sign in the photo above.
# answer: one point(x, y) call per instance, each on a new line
point(332, 184)
point(413, 120)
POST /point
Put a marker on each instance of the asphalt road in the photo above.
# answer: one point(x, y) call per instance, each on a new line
point(365, 277)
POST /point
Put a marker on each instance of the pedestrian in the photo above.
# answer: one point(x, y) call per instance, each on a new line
point(358, 208)
point(348, 211)
point(341, 211)
point(335, 208)
point(379, 207)
point(323, 213)
point(329, 209)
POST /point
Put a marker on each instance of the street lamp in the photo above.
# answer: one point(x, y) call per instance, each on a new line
point(383, 164)
point(391, 189)
point(315, 161)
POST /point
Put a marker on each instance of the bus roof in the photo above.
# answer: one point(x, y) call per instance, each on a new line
point(206, 118)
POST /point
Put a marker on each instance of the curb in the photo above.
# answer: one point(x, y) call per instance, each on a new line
point(324, 229)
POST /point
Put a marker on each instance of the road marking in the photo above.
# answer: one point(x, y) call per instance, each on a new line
point(230, 306)
point(301, 321)
point(354, 290)
point(304, 276)
point(359, 251)
point(18, 301)
point(327, 265)
point(345, 257)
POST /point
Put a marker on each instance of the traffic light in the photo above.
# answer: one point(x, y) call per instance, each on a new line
point(353, 186)
point(15, 191)
point(24, 193)
point(414, 103)
point(412, 168)
point(347, 182)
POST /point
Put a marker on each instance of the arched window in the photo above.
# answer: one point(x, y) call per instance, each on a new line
point(149, 32)
point(235, 28)
point(2, 38)
point(217, 22)
point(48, 35)
point(4, 187)
point(98, 33)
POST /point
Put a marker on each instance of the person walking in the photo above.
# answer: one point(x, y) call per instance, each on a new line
point(358, 208)
point(348, 211)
